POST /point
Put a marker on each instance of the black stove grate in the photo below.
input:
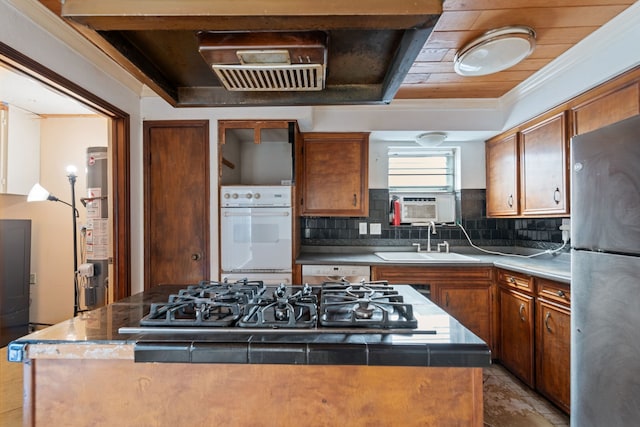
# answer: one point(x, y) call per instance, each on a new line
point(206, 304)
point(371, 305)
point(248, 304)
point(288, 307)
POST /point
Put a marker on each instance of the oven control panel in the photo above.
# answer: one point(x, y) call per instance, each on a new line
point(247, 196)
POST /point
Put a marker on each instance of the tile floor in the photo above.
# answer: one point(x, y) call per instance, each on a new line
point(510, 403)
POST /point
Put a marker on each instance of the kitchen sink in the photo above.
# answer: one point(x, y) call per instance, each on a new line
point(425, 257)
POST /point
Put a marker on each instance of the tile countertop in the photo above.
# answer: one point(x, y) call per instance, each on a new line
point(547, 266)
point(95, 334)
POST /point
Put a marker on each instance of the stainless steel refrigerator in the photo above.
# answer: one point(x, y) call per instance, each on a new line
point(605, 276)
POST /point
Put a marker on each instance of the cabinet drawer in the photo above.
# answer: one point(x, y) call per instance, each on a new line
point(554, 291)
point(513, 280)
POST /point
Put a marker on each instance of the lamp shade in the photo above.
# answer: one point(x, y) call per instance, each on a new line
point(495, 51)
point(37, 194)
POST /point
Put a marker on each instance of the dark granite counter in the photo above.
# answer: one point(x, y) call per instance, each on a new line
point(439, 340)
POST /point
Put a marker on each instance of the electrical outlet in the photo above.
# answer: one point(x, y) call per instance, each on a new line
point(566, 229)
point(375, 229)
point(32, 279)
point(363, 228)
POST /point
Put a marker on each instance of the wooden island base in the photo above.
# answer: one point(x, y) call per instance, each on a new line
point(119, 392)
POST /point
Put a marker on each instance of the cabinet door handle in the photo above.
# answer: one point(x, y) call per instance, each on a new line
point(510, 200)
point(355, 200)
point(521, 312)
point(556, 196)
point(196, 257)
point(446, 299)
point(560, 293)
point(512, 280)
point(546, 321)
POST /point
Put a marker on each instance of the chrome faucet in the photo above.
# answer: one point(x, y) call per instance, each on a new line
point(431, 229)
point(444, 244)
point(418, 246)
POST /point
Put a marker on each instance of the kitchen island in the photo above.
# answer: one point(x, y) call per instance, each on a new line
point(86, 371)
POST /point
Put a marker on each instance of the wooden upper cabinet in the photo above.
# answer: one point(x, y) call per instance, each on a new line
point(544, 166)
point(334, 174)
point(608, 105)
point(502, 176)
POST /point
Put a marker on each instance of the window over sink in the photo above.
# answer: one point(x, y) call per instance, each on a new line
point(421, 170)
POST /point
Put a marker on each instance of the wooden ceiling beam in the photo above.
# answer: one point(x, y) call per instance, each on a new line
point(250, 14)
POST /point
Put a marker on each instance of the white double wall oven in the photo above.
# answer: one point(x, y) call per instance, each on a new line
point(255, 233)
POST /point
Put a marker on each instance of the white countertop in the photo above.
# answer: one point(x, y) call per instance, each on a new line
point(549, 266)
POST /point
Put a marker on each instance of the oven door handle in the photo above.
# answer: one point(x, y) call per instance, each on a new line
point(227, 214)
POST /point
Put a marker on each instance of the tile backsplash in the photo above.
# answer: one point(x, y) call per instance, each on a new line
point(542, 233)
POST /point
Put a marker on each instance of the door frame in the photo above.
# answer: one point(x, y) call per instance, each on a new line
point(119, 144)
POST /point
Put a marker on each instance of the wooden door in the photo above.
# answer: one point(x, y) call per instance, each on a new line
point(335, 174)
point(176, 196)
point(553, 337)
point(544, 167)
point(471, 305)
point(516, 334)
point(502, 176)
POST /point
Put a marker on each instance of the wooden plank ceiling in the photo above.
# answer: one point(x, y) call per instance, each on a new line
point(558, 26)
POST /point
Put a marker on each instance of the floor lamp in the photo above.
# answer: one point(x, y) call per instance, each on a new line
point(38, 193)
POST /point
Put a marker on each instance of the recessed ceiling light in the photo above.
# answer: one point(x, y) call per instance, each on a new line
point(495, 51)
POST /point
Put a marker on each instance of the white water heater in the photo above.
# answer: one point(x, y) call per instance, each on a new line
point(96, 246)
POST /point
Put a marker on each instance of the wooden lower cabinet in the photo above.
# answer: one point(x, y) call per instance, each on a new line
point(466, 293)
point(516, 333)
point(470, 304)
point(535, 333)
point(553, 362)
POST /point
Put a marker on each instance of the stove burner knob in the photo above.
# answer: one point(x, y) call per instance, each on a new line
point(256, 196)
point(248, 196)
point(226, 195)
point(235, 195)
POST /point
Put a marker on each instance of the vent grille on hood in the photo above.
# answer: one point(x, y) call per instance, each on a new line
point(267, 61)
point(275, 77)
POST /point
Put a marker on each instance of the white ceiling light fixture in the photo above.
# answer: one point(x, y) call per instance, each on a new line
point(431, 139)
point(495, 51)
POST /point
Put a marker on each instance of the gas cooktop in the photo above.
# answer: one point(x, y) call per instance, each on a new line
point(249, 305)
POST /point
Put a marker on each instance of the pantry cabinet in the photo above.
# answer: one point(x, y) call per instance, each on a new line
point(516, 314)
point(553, 337)
point(466, 293)
point(334, 174)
